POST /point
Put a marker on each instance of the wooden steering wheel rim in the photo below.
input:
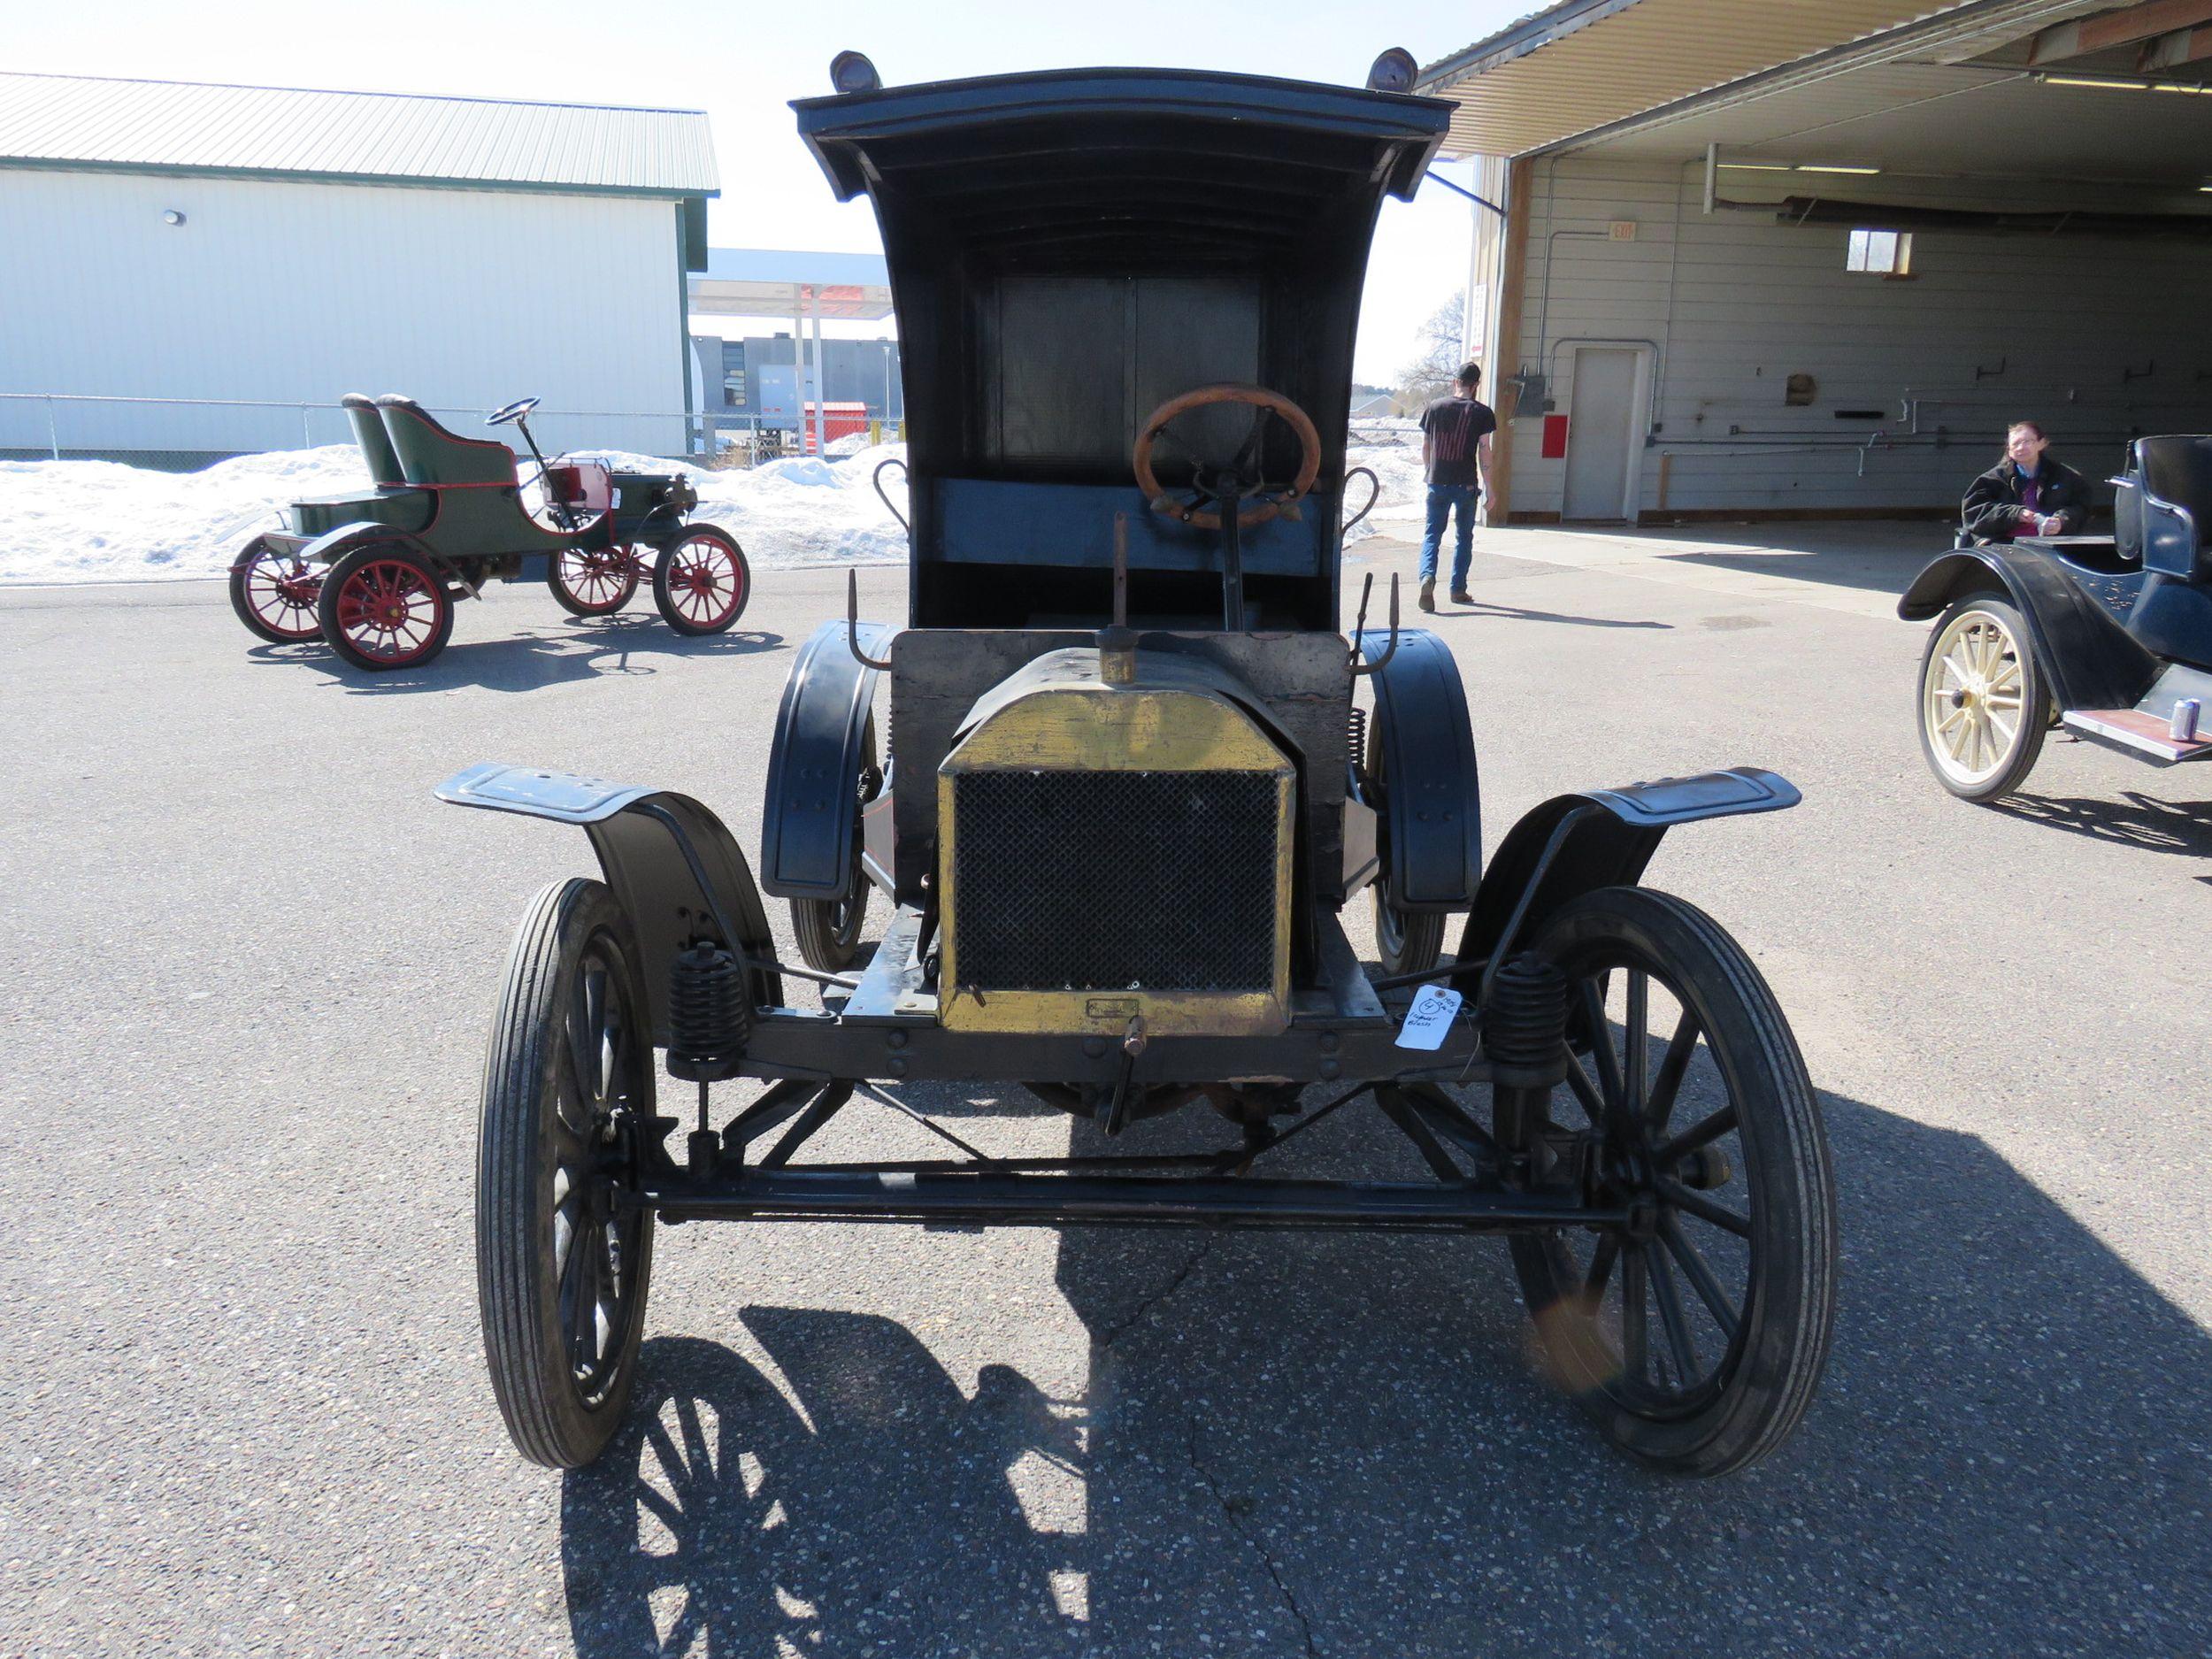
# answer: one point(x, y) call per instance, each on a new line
point(1227, 392)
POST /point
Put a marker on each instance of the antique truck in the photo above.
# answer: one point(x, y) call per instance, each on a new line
point(1132, 772)
point(375, 574)
point(2111, 636)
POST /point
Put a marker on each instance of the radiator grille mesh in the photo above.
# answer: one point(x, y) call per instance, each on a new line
point(1104, 881)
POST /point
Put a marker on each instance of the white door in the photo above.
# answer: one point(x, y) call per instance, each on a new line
point(1601, 434)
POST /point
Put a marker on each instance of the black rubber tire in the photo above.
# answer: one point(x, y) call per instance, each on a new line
point(2027, 745)
point(331, 601)
point(1406, 942)
point(555, 1417)
point(672, 608)
point(242, 603)
point(574, 603)
point(1766, 1376)
point(828, 930)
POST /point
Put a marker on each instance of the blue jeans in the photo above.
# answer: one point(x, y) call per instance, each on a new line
point(1442, 499)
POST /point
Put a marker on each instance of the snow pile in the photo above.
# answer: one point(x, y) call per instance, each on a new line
point(89, 521)
point(92, 521)
point(81, 521)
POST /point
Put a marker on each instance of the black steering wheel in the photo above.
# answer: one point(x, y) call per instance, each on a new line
point(515, 410)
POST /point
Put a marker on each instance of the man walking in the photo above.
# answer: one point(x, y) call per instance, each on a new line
point(1456, 456)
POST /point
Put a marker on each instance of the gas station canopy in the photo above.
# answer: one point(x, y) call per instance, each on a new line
point(767, 282)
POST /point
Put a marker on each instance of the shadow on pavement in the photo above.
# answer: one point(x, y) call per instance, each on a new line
point(1880, 555)
point(1336, 1445)
point(1486, 609)
point(2135, 819)
point(585, 648)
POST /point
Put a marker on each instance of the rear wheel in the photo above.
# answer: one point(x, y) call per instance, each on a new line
point(273, 594)
point(384, 607)
point(701, 581)
point(1983, 708)
point(1694, 1331)
point(595, 583)
point(563, 1253)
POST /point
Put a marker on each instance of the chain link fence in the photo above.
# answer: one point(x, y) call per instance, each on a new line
point(176, 434)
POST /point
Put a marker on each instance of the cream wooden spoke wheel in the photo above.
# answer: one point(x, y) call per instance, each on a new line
point(1983, 706)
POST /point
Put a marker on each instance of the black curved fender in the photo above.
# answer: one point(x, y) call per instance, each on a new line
point(676, 870)
point(810, 823)
point(1574, 844)
point(2088, 659)
point(1432, 830)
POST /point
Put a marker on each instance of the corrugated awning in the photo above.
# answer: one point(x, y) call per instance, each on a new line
point(1586, 64)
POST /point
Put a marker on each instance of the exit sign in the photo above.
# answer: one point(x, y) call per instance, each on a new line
point(1621, 230)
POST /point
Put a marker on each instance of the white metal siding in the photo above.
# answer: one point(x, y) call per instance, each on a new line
point(462, 299)
point(1733, 303)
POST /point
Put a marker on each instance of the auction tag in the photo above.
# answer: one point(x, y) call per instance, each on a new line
point(1429, 1018)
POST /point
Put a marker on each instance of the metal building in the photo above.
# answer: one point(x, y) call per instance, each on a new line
point(216, 251)
point(1775, 260)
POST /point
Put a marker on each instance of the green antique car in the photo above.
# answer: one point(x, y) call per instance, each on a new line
point(374, 575)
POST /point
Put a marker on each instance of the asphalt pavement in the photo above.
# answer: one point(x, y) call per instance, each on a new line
point(249, 972)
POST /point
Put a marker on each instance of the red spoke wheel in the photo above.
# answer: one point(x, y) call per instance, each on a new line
point(593, 583)
point(702, 580)
point(273, 594)
point(383, 607)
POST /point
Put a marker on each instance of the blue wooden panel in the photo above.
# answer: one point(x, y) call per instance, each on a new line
point(989, 521)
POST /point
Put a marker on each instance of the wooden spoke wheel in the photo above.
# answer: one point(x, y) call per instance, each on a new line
point(383, 607)
point(273, 594)
point(828, 930)
point(563, 1257)
point(1983, 706)
point(595, 583)
point(701, 581)
point(1696, 1331)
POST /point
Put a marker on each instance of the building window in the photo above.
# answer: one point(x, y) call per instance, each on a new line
point(1881, 252)
point(733, 388)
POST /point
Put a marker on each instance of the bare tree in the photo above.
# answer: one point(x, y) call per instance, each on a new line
point(1429, 376)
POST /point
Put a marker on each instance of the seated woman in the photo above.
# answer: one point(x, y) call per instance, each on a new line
point(2026, 493)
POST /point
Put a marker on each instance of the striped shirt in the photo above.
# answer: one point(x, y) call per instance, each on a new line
point(1456, 427)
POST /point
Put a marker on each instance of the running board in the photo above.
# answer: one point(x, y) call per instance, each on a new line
point(2135, 732)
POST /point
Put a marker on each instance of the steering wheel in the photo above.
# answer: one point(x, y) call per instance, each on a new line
point(515, 410)
point(1230, 483)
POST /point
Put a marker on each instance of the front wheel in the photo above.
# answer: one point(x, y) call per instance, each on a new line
point(384, 607)
point(1406, 942)
point(1983, 708)
point(273, 595)
point(828, 930)
point(564, 1252)
point(1695, 1329)
point(701, 581)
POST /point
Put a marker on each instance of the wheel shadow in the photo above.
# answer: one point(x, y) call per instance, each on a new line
point(585, 648)
point(1339, 1444)
point(2135, 819)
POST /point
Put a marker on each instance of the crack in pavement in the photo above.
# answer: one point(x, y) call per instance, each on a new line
point(1231, 1514)
point(1123, 1326)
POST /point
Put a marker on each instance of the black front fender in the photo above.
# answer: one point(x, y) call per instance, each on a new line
point(1574, 844)
point(2088, 660)
point(1431, 852)
point(810, 824)
point(676, 870)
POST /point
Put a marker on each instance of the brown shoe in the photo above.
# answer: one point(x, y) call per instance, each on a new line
point(1460, 596)
point(1428, 594)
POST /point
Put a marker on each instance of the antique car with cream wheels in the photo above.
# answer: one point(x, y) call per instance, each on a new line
point(1116, 778)
point(2109, 636)
point(375, 574)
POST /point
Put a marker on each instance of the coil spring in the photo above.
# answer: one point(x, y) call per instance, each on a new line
point(1355, 736)
point(709, 1011)
point(1524, 1020)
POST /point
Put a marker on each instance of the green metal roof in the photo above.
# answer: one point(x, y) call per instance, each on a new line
point(84, 121)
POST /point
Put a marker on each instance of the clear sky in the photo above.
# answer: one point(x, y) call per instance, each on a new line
point(742, 63)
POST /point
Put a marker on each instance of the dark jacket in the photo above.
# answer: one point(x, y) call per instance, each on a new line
point(1992, 509)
